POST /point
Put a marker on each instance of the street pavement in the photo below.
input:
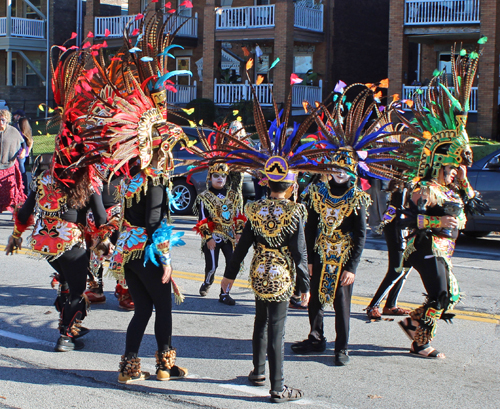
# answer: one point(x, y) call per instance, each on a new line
point(214, 342)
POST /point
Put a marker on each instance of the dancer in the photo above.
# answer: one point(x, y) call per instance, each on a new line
point(61, 197)
point(436, 212)
point(394, 279)
point(336, 226)
point(135, 126)
point(275, 229)
point(220, 224)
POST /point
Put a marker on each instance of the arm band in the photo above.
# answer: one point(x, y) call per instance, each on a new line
point(428, 222)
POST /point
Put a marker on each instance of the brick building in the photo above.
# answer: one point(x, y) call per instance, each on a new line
point(320, 40)
point(421, 33)
point(24, 43)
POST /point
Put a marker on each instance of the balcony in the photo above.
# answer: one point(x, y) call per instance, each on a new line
point(307, 93)
point(184, 94)
point(229, 94)
point(116, 25)
point(23, 27)
point(261, 17)
point(429, 12)
point(410, 92)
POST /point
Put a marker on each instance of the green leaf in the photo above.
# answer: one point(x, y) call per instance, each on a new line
point(436, 73)
point(463, 52)
point(473, 55)
point(482, 40)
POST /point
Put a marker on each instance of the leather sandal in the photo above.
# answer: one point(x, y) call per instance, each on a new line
point(373, 313)
point(256, 379)
point(426, 351)
point(286, 395)
point(408, 328)
point(395, 311)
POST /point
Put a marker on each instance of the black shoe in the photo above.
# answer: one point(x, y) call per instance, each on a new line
point(296, 304)
point(307, 346)
point(226, 299)
point(65, 344)
point(342, 357)
point(204, 289)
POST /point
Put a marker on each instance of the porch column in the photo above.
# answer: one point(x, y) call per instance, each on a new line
point(283, 48)
point(134, 7)
point(211, 50)
point(398, 48)
point(488, 71)
point(93, 10)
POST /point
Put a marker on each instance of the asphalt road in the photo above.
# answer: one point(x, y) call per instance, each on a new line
point(214, 343)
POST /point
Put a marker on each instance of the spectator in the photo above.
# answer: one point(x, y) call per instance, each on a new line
point(11, 184)
point(25, 128)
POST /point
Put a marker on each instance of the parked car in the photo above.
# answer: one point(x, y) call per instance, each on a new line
point(189, 191)
point(484, 176)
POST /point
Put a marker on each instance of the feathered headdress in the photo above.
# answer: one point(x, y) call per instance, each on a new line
point(440, 119)
point(358, 146)
point(130, 109)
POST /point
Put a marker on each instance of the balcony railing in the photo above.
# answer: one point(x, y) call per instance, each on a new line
point(228, 94)
point(184, 94)
point(422, 12)
point(23, 27)
point(410, 92)
point(231, 18)
point(309, 18)
point(189, 29)
point(115, 25)
point(308, 93)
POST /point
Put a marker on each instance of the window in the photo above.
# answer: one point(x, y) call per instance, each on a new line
point(445, 65)
point(14, 71)
point(30, 13)
point(183, 63)
point(302, 63)
point(262, 2)
point(31, 79)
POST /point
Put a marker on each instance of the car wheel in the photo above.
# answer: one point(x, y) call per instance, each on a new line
point(476, 233)
point(186, 196)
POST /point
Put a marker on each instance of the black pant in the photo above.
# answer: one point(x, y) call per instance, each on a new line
point(393, 281)
point(147, 291)
point(212, 258)
point(269, 333)
point(433, 270)
point(341, 305)
point(72, 267)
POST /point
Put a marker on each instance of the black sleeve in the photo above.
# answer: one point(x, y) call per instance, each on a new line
point(359, 237)
point(155, 203)
point(298, 248)
point(311, 232)
point(28, 207)
point(98, 210)
point(246, 240)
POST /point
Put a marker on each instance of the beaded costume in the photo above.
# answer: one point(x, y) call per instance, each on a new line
point(336, 226)
point(332, 244)
point(430, 246)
